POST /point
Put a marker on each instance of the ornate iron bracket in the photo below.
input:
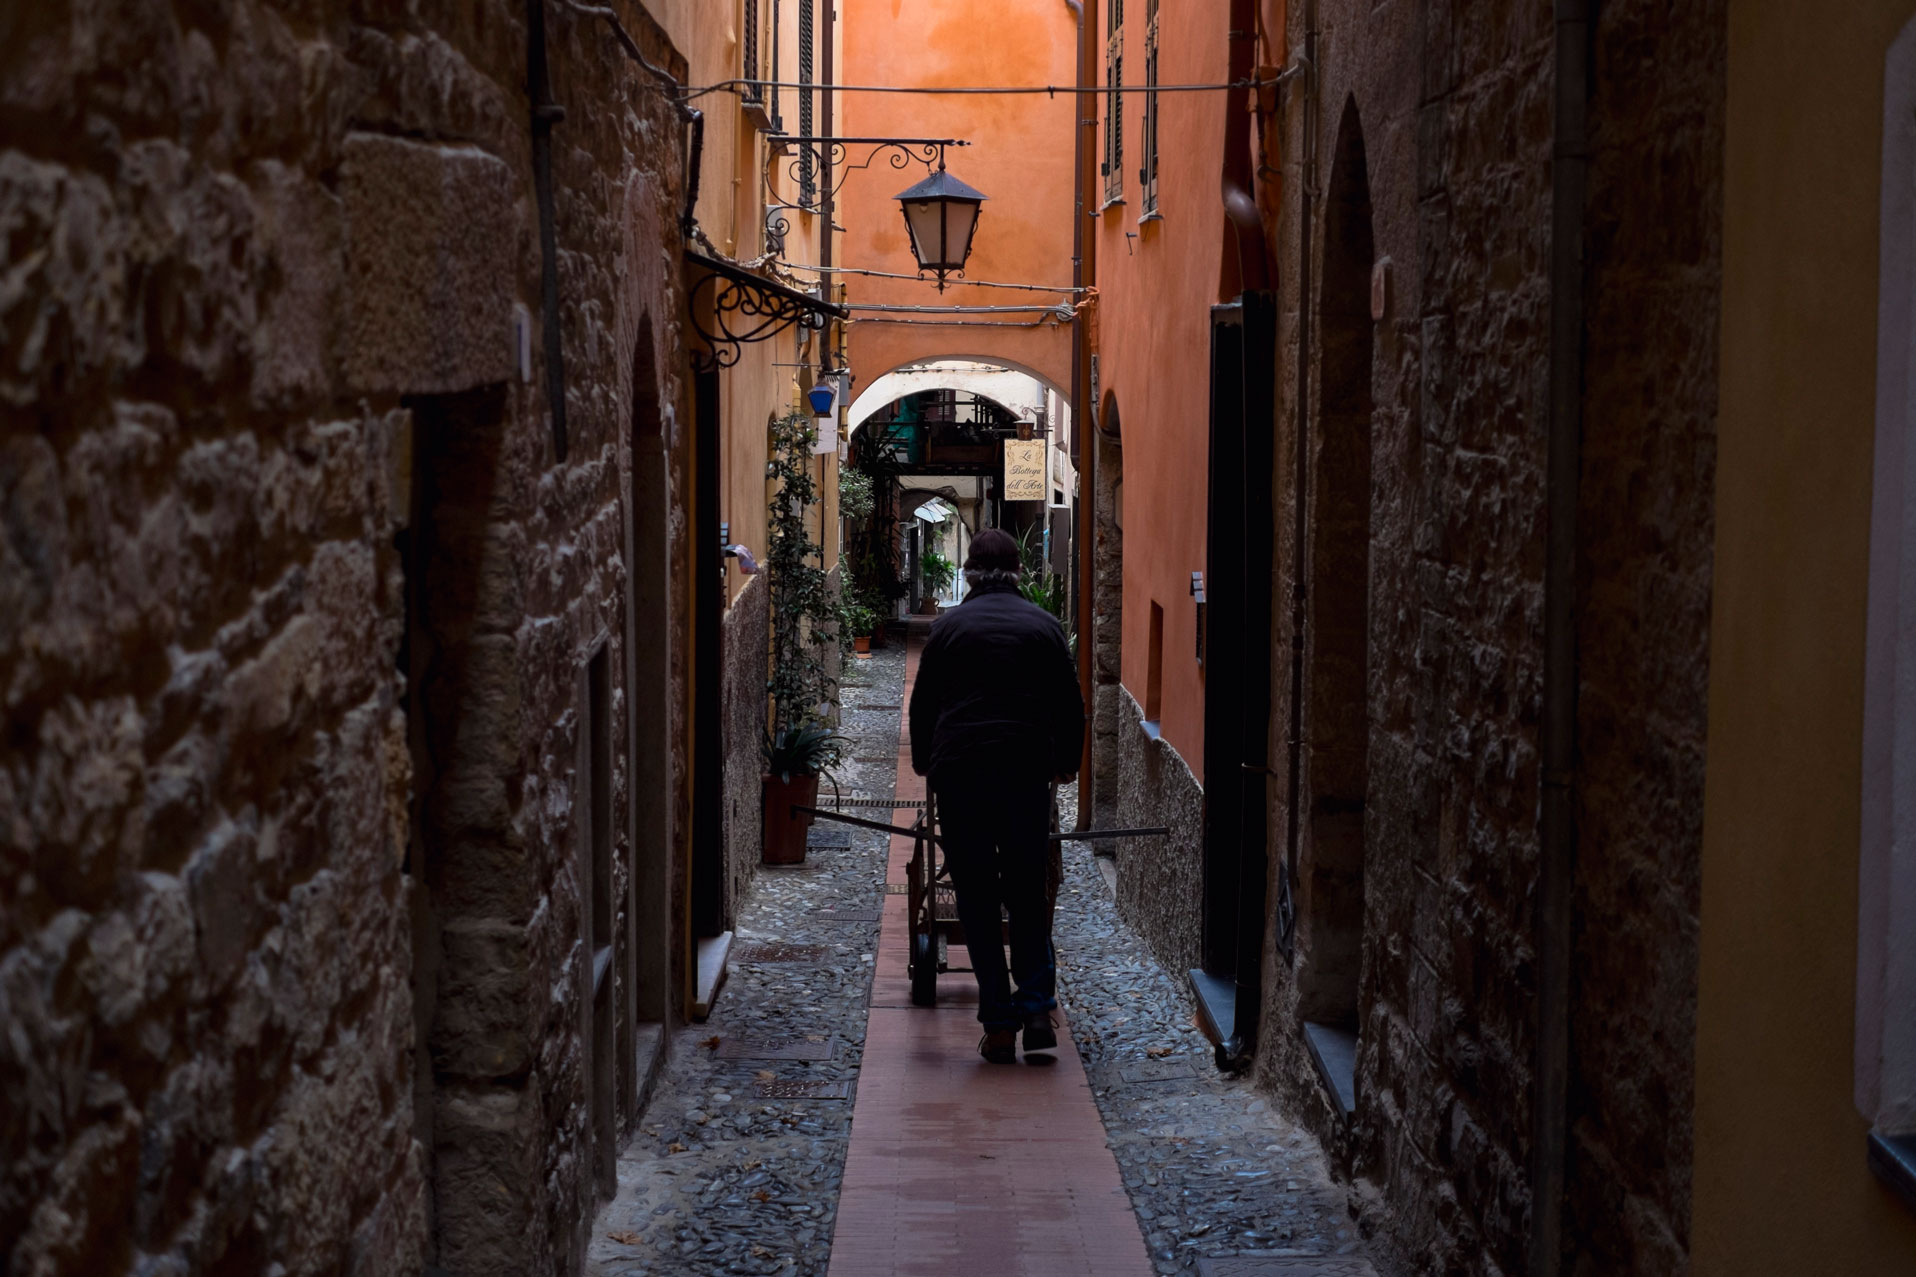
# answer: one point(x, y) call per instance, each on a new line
point(742, 307)
point(805, 160)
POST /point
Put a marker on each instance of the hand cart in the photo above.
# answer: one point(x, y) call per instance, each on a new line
point(931, 905)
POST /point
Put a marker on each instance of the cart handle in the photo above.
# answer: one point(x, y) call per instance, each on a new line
point(1081, 835)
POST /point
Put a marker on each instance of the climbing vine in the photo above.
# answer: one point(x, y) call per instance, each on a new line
point(805, 610)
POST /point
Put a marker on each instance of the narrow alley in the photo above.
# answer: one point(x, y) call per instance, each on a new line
point(1248, 638)
point(821, 1122)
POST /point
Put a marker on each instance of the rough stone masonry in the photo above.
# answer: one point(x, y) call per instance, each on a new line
point(293, 928)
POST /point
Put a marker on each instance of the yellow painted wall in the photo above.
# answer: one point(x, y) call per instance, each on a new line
point(1781, 1185)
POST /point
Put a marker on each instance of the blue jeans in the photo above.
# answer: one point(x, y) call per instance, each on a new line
point(996, 837)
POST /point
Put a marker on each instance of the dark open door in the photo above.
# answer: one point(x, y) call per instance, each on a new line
point(1237, 672)
point(708, 608)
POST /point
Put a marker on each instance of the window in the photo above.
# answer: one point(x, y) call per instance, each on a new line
point(1114, 105)
point(750, 65)
point(1886, 964)
point(807, 178)
point(1154, 668)
point(1148, 171)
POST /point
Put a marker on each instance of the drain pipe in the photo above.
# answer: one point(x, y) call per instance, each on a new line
point(1556, 914)
point(1257, 398)
point(1084, 461)
point(1240, 204)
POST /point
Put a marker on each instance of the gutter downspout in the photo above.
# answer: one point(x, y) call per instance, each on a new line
point(1249, 762)
point(1084, 461)
point(1556, 914)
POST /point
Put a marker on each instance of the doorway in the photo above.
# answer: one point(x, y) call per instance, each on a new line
point(1337, 727)
point(1236, 657)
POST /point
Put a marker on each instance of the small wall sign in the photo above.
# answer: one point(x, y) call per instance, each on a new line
point(1024, 470)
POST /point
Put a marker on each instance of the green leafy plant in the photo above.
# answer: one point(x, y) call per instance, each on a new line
point(811, 749)
point(854, 493)
point(805, 611)
point(1038, 583)
point(857, 620)
point(939, 572)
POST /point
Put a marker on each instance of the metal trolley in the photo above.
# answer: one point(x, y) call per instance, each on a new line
point(931, 904)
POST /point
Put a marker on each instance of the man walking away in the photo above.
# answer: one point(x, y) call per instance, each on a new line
point(995, 718)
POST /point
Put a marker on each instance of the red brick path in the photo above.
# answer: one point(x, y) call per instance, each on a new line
point(958, 1166)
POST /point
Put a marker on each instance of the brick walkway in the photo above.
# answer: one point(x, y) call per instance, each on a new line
point(956, 1165)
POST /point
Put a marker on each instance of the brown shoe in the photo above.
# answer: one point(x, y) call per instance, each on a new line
point(999, 1046)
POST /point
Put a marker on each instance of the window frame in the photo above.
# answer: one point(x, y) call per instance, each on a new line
point(1113, 167)
point(1148, 168)
point(1886, 956)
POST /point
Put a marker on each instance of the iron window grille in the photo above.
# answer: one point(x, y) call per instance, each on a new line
point(1148, 171)
point(1114, 105)
point(808, 176)
point(752, 67)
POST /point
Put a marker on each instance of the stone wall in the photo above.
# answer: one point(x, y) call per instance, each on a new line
point(1160, 880)
point(1645, 527)
point(1442, 115)
point(268, 451)
point(747, 649)
point(1107, 626)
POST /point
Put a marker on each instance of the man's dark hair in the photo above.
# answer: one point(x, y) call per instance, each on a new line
point(992, 550)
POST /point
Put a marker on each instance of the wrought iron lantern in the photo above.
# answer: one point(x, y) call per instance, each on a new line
point(941, 213)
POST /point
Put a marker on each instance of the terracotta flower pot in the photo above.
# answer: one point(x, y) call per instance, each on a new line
point(784, 829)
point(862, 643)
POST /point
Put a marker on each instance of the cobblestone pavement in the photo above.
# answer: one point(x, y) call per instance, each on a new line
point(1212, 1169)
point(724, 1177)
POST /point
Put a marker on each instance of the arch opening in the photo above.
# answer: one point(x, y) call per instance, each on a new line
point(1336, 736)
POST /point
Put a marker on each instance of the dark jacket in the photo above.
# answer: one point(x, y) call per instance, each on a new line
point(997, 693)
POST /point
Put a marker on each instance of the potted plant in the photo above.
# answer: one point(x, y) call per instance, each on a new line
point(806, 615)
point(938, 573)
point(859, 621)
point(795, 757)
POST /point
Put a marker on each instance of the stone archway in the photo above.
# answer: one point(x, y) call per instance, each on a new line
point(1336, 726)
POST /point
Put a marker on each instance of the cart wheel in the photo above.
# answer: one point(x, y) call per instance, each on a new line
point(924, 971)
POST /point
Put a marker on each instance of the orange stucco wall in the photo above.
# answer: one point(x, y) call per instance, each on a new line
point(1020, 155)
point(1157, 280)
point(1780, 1179)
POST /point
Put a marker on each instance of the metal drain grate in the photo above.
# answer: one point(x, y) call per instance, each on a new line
point(878, 804)
point(771, 951)
point(773, 1049)
point(849, 915)
point(787, 1088)
point(896, 889)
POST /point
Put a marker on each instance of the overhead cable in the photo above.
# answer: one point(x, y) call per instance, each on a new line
point(975, 283)
point(961, 90)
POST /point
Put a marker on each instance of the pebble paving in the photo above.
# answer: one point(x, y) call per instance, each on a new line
point(731, 1172)
point(738, 1160)
point(1212, 1169)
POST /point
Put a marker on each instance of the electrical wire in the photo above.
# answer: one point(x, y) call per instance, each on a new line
point(975, 283)
point(896, 309)
point(1049, 90)
point(1047, 322)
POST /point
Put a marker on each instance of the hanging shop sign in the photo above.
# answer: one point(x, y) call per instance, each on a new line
point(1024, 470)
